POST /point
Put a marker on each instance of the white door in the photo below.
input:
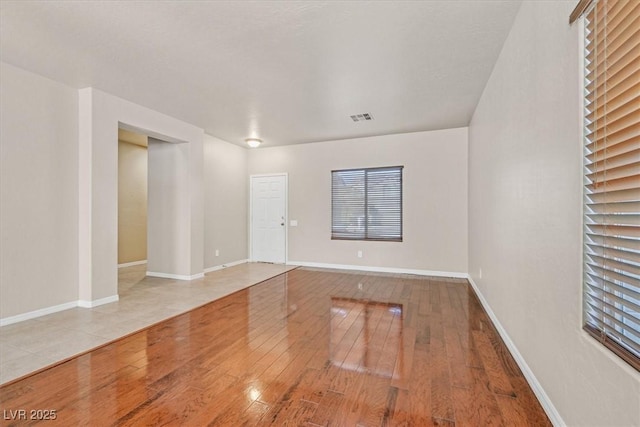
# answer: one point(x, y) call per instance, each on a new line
point(268, 218)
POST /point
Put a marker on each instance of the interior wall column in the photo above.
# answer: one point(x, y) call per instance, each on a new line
point(100, 115)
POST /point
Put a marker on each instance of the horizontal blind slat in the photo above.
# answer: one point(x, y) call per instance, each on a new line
point(629, 220)
point(615, 120)
point(597, 282)
point(609, 295)
point(606, 313)
point(616, 71)
point(595, 73)
point(619, 94)
point(615, 230)
point(612, 51)
point(617, 242)
point(623, 195)
point(611, 252)
point(620, 17)
point(628, 145)
point(615, 167)
point(623, 110)
point(618, 32)
point(605, 273)
point(614, 184)
point(612, 263)
point(622, 136)
point(618, 315)
point(598, 13)
point(610, 323)
point(614, 207)
point(613, 125)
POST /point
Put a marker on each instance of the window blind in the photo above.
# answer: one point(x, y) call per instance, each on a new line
point(366, 204)
point(612, 176)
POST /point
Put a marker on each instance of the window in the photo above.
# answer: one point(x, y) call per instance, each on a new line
point(366, 204)
point(612, 176)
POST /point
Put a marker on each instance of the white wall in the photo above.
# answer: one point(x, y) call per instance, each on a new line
point(38, 192)
point(525, 193)
point(435, 198)
point(225, 202)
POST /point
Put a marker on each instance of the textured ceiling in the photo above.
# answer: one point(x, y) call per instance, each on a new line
point(286, 72)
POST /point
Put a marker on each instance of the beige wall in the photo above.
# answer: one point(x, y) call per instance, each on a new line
point(435, 198)
point(525, 233)
point(225, 202)
point(132, 202)
point(73, 223)
point(38, 192)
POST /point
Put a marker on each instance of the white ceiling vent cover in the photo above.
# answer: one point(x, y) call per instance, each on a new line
point(361, 117)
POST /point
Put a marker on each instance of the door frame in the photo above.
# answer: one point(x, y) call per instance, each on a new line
point(286, 213)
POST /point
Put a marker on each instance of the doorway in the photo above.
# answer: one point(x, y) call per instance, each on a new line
point(150, 171)
point(269, 218)
point(132, 198)
point(100, 115)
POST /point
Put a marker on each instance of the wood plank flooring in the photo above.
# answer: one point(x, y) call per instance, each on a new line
point(307, 348)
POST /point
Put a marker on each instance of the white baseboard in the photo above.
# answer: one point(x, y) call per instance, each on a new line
point(229, 264)
point(131, 264)
point(56, 308)
point(175, 276)
point(381, 269)
point(97, 302)
point(547, 405)
point(37, 313)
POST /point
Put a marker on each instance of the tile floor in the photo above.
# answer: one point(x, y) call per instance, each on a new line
point(34, 344)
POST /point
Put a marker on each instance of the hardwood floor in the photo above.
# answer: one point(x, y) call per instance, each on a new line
point(308, 347)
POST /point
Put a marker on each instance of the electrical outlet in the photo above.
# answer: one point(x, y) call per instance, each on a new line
point(217, 252)
point(480, 274)
point(359, 254)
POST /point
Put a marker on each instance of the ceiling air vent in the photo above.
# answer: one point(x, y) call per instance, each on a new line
point(361, 117)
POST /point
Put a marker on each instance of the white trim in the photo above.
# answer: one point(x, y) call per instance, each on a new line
point(381, 269)
point(175, 276)
point(97, 302)
point(37, 313)
point(131, 264)
point(56, 308)
point(222, 266)
point(545, 401)
point(286, 213)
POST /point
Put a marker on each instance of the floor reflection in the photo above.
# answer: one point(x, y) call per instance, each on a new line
point(305, 348)
point(364, 333)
